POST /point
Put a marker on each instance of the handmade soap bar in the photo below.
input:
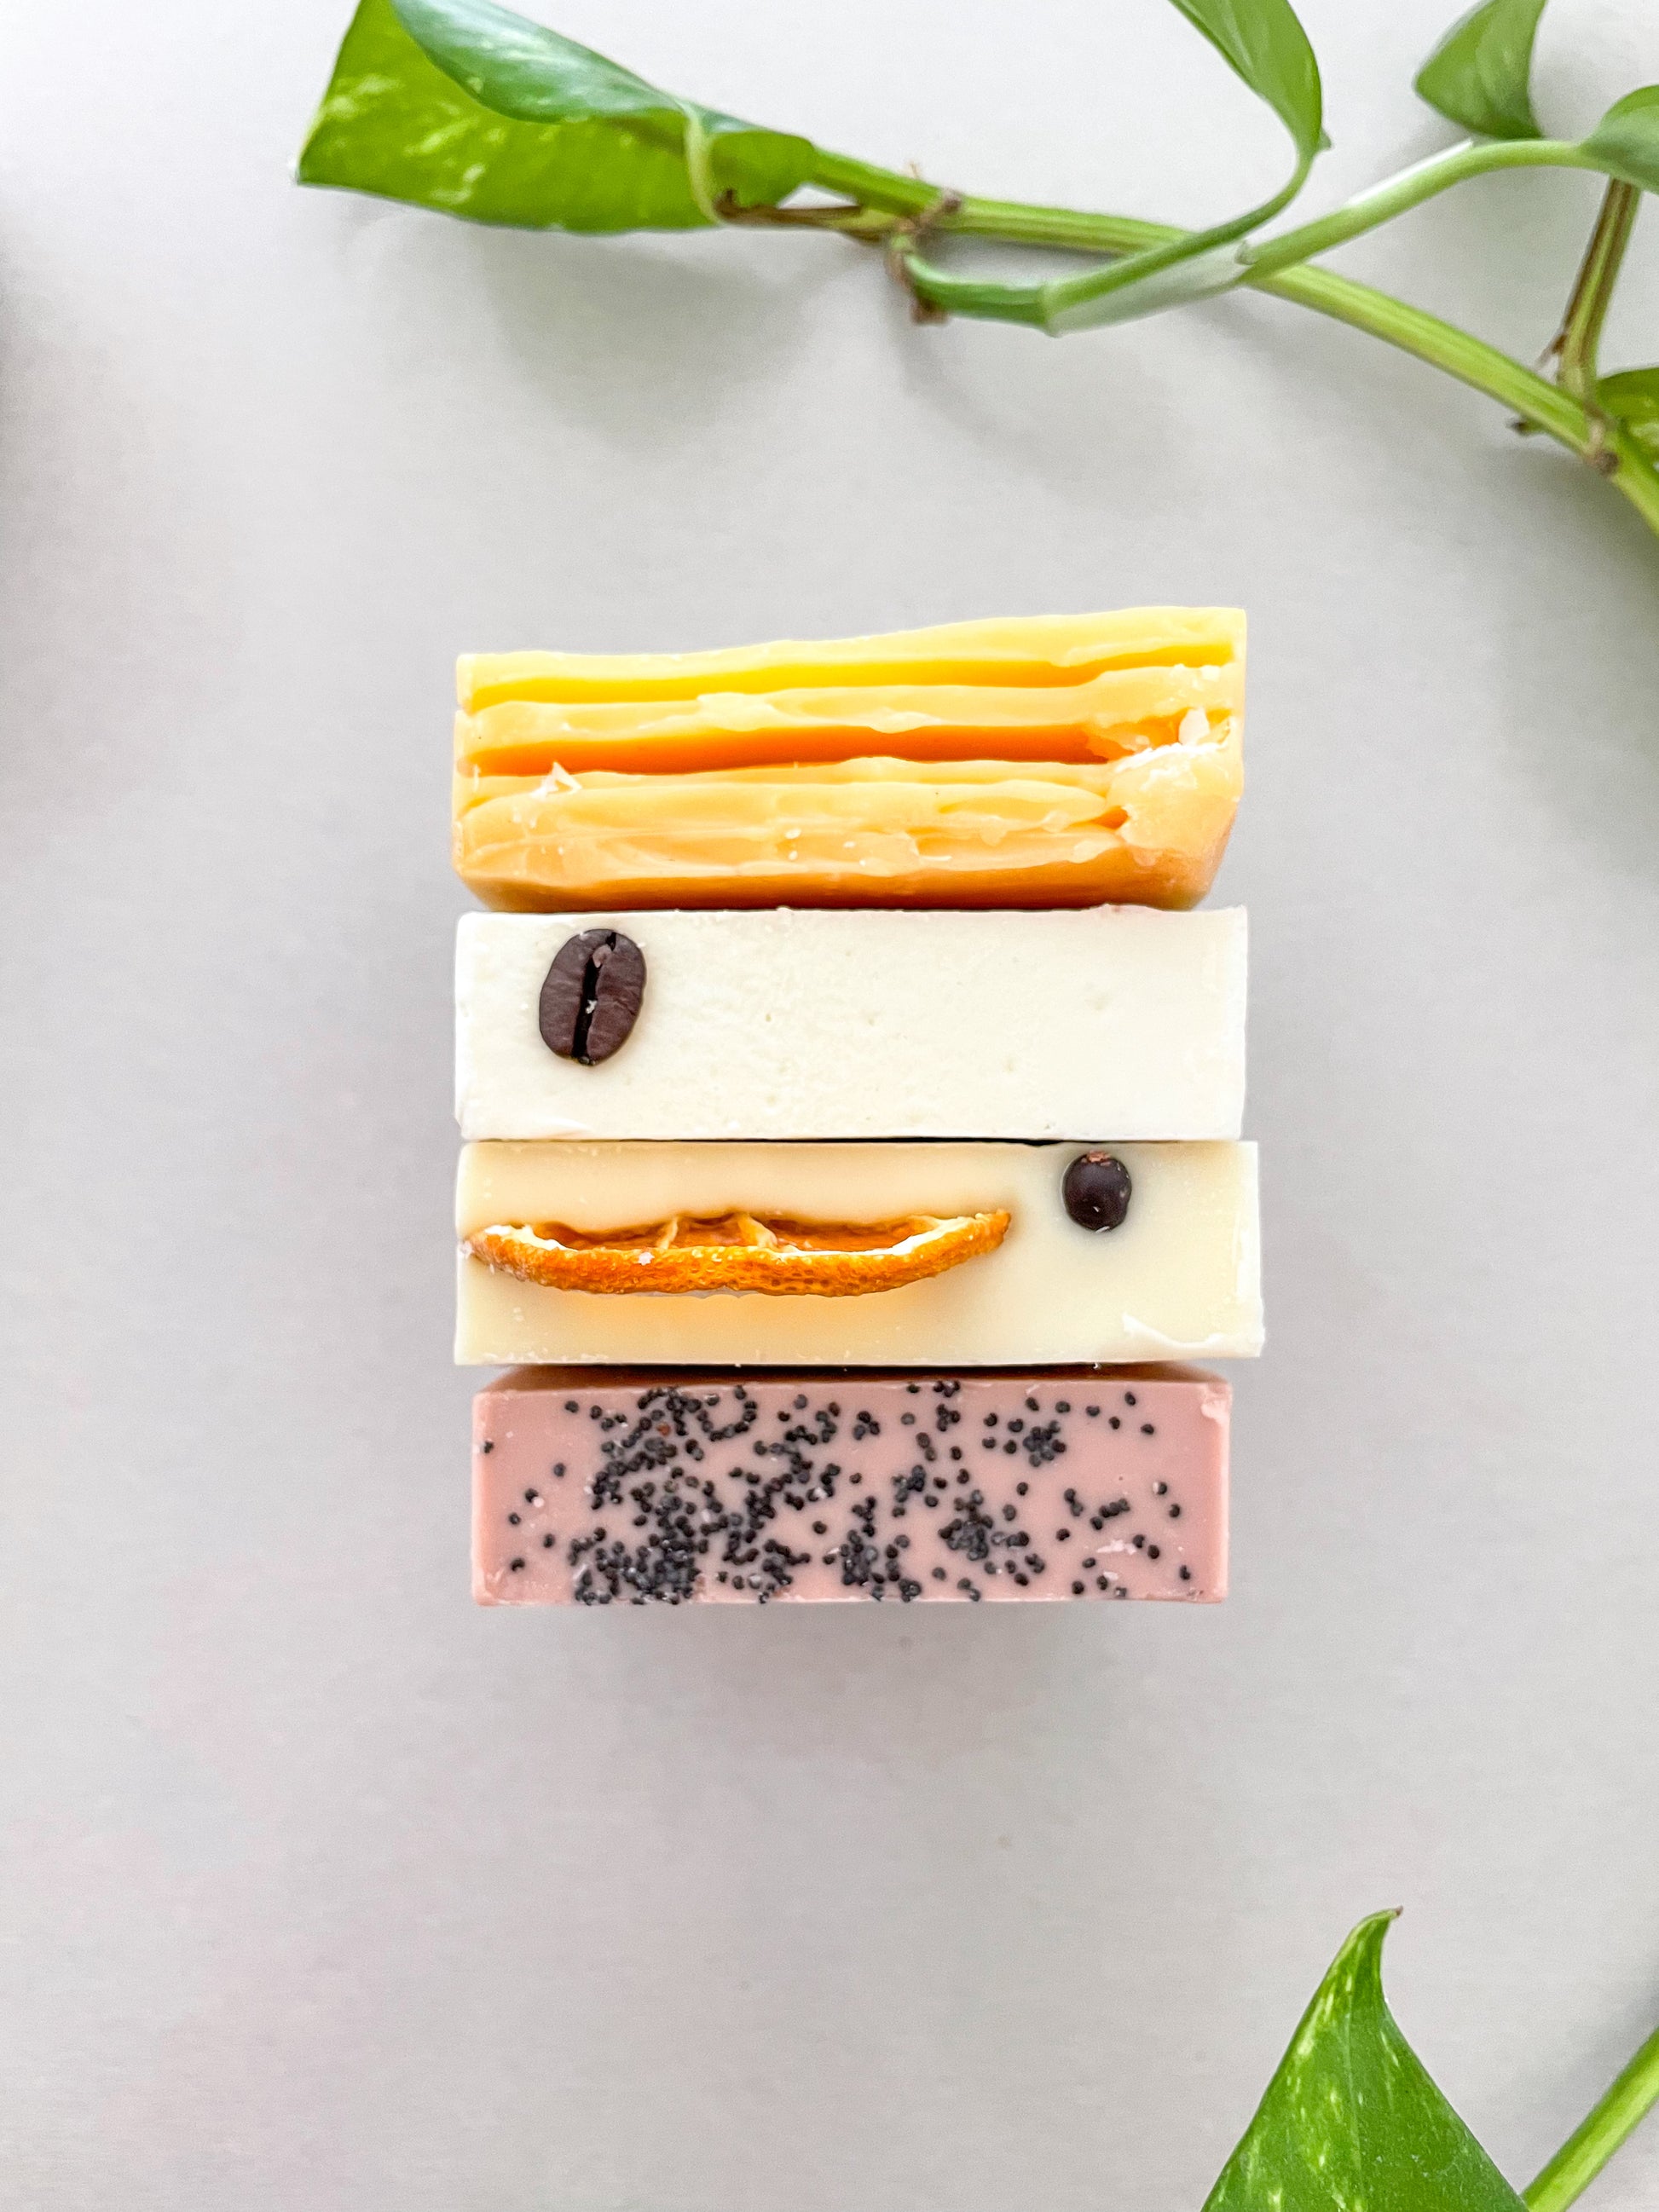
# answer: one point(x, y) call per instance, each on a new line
point(1049, 761)
point(665, 1487)
point(1179, 1277)
point(786, 1025)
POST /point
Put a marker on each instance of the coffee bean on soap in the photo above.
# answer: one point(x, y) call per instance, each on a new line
point(591, 996)
point(1096, 1190)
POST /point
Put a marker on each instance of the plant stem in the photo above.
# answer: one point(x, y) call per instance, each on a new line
point(1580, 334)
point(1590, 2145)
point(1078, 292)
point(1065, 228)
point(876, 187)
point(1409, 189)
point(1541, 404)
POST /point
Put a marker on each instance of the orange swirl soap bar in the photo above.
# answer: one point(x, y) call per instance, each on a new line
point(637, 1488)
point(1045, 761)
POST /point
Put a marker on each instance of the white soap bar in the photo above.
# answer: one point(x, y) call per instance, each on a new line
point(1181, 1277)
point(782, 1023)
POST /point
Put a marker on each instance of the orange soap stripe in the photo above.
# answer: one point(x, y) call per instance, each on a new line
point(504, 742)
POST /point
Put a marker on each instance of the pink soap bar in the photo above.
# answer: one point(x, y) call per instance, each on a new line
point(662, 1486)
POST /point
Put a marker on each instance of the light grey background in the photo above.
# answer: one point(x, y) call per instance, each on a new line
point(324, 1892)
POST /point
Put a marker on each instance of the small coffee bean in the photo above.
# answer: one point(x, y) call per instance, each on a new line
point(1096, 1190)
point(591, 996)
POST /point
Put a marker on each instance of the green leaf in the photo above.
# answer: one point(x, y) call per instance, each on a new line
point(1480, 74)
point(1351, 2120)
point(1624, 143)
point(1633, 396)
point(465, 107)
point(1263, 42)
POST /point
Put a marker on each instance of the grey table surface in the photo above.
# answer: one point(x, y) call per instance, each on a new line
point(320, 1889)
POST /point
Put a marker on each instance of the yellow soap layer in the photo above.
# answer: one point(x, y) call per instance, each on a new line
point(1032, 649)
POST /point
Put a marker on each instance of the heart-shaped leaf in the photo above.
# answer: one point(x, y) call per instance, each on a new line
point(1350, 2118)
point(1264, 43)
point(1633, 396)
point(465, 107)
point(1480, 74)
point(1626, 141)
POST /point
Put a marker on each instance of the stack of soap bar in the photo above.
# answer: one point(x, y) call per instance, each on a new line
point(846, 1127)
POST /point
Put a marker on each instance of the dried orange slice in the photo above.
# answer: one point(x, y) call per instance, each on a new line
point(741, 1252)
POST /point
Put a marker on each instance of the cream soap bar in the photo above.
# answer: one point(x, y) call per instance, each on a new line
point(668, 1487)
point(792, 1024)
point(1179, 1278)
